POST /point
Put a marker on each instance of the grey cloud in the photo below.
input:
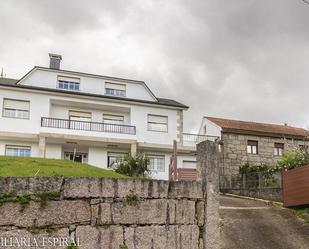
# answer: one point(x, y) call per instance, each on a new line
point(243, 59)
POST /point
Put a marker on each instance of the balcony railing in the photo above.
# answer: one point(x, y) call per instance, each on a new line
point(195, 138)
point(87, 126)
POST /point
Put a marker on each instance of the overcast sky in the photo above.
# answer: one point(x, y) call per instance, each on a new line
point(242, 59)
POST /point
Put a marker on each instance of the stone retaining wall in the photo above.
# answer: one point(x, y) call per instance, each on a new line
point(102, 213)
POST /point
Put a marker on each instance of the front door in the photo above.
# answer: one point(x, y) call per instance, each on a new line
point(79, 157)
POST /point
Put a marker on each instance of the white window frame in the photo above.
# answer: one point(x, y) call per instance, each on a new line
point(115, 89)
point(70, 81)
point(119, 156)
point(252, 149)
point(150, 124)
point(17, 113)
point(155, 167)
point(278, 151)
point(20, 150)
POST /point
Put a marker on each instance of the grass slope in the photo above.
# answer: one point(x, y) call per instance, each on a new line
point(21, 166)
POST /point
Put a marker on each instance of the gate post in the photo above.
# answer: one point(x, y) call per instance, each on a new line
point(208, 174)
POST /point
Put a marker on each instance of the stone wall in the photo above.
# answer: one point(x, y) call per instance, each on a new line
point(102, 213)
point(234, 151)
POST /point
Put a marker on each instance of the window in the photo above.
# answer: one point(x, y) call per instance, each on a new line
point(80, 116)
point(113, 119)
point(114, 157)
point(67, 83)
point(252, 147)
point(114, 89)
point(15, 150)
point(278, 149)
point(16, 108)
point(157, 123)
point(189, 164)
point(157, 163)
point(303, 147)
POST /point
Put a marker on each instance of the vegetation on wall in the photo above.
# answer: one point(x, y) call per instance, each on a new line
point(137, 166)
point(294, 159)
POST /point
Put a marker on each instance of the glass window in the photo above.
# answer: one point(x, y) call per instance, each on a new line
point(15, 150)
point(278, 149)
point(252, 147)
point(113, 119)
point(157, 123)
point(67, 83)
point(157, 163)
point(118, 90)
point(13, 108)
point(114, 157)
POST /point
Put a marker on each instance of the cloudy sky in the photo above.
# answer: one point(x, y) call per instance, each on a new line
point(242, 59)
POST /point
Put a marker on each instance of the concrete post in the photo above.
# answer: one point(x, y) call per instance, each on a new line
point(133, 149)
point(42, 147)
point(208, 173)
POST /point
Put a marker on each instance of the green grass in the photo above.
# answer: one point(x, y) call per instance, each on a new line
point(303, 213)
point(18, 166)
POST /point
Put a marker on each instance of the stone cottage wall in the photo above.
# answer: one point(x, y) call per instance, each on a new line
point(101, 213)
point(234, 151)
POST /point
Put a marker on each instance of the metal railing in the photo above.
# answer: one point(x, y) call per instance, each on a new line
point(87, 126)
point(195, 138)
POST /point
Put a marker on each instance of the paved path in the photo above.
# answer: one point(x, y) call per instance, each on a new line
point(248, 224)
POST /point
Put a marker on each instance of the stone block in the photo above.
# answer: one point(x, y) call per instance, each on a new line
point(82, 188)
point(55, 213)
point(200, 213)
point(100, 237)
point(185, 189)
point(162, 237)
point(182, 212)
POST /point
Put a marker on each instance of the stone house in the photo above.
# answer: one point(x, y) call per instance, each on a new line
point(251, 142)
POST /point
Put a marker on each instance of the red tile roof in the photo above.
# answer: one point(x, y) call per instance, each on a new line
point(248, 126)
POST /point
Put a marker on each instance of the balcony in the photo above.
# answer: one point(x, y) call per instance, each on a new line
point(194, 139)
point(87, 126)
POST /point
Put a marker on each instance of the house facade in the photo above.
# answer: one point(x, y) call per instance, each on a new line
point(94, 119)
point(244, 142)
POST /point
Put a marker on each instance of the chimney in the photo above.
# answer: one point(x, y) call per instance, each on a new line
point(54, 62)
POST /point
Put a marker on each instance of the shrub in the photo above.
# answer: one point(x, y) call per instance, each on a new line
point(294, 159)
point(137, 166)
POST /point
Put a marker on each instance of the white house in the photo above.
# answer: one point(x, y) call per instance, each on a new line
point(94, 119)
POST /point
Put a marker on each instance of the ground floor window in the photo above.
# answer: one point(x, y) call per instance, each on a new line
point(189, 164)
point(156, 163)
point(15, 150)
point(115, 157)
point(76, 157)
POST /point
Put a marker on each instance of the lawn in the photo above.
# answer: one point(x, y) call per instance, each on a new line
point(303, 213)
point(22, 166)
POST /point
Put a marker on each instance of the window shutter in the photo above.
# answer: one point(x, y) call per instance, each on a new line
point(16, 104)
point(70, 79)
point(113, 117)
point(80, 114)
point(157, 119)
point(115, 86)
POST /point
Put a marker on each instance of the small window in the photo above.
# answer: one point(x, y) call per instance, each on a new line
point(278, 149)
point(157, 123)
point(67, 83)
point(157, 163)
point(13, 108)
point(303, 147)
point(189, 164)
point(19, 151)
point(113, 158)
point(118, 90)
point(252, 147)
point(205, 129)
point(113, 119)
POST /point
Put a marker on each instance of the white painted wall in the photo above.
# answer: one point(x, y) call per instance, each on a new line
point(97, 157)
point(96, 85)
point(212, 129)
point(53, 151)
point(40, 106)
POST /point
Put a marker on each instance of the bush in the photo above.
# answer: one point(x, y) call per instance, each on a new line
point(294, 159)
point(137, 166)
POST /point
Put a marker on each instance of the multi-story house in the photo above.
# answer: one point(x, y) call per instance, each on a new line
point(244, 142)
point(94, 119)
